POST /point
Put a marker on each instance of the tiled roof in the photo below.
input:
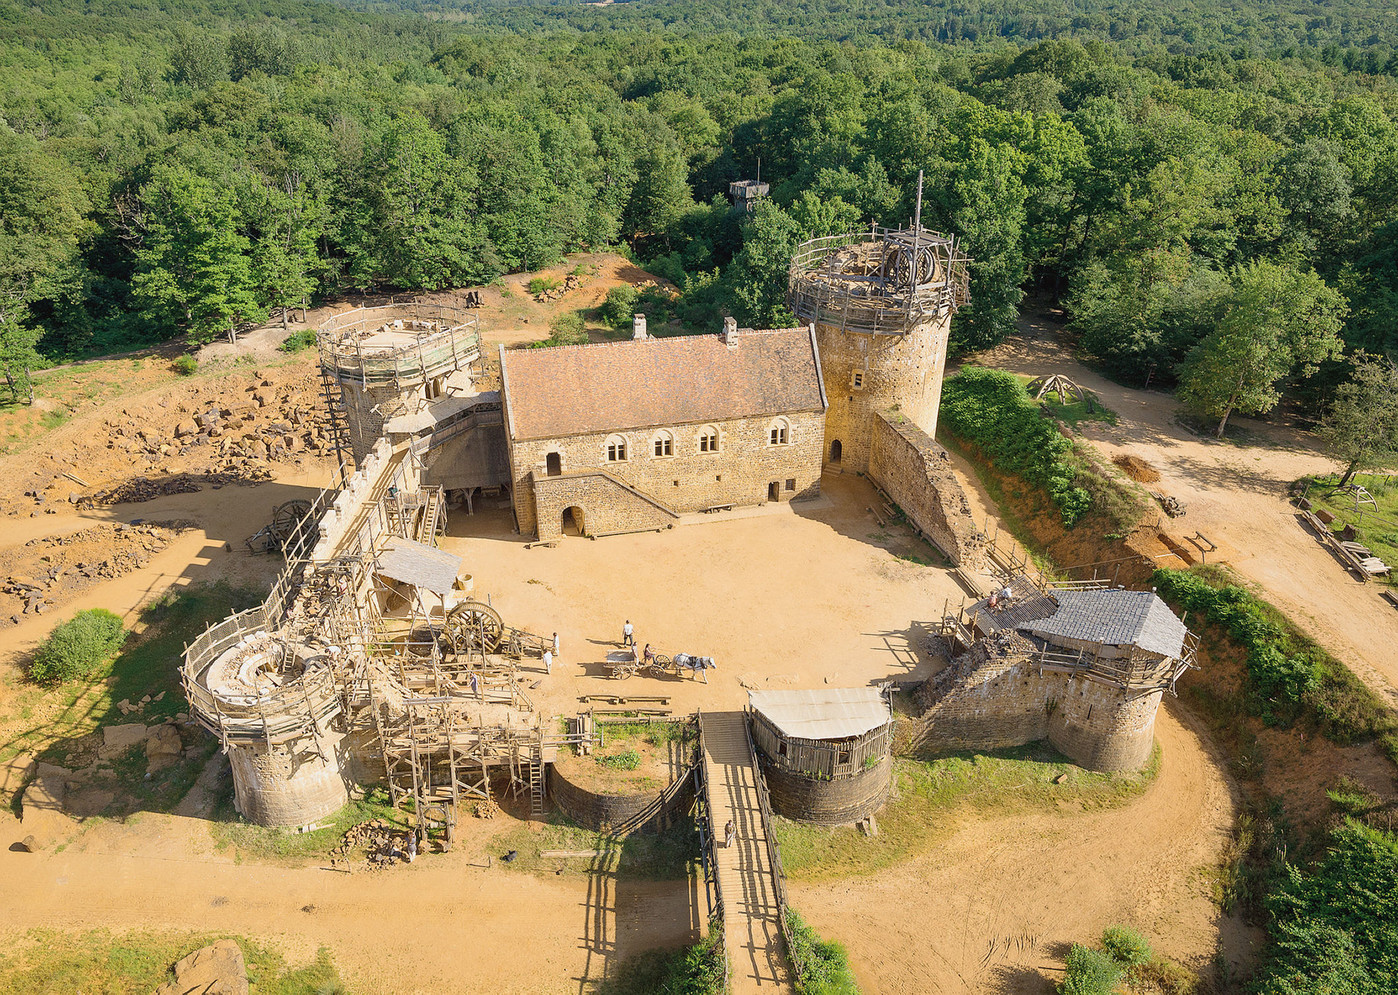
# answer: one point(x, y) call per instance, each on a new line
point(615, 386)
point(1115, 618)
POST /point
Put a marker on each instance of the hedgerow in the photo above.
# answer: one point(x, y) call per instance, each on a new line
point(1291, 678)
point(991, 409)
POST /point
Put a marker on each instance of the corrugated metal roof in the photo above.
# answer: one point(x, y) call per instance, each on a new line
point(435, 412)
point(1115, 618)
point(422, 566)
point(825, 713)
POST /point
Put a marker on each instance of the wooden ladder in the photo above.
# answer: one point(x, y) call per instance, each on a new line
point(338, 421)
point(536, 781)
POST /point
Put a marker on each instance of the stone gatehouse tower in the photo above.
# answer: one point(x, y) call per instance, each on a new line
point(881, 302)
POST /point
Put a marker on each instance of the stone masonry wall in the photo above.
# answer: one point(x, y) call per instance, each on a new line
point(831, 802)
point(902, 371)
point(286, 787)
point(914, 471)
point(607, 506)
point(1004, 702)
point(739, 473)
point(602, 813)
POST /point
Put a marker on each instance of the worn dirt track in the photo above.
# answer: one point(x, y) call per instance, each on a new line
point(995, 907)
point(1235, 495)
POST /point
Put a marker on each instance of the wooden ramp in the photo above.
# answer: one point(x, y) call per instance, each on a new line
point(751, 914)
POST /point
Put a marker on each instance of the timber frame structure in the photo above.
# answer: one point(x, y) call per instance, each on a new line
point(884, 281)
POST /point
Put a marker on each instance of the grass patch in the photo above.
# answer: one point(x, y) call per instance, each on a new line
point(1091, 410)
point(1123, 963)
point(625, 760)
point(928, 792)
point(59, 723)
point(692, 970)
point(821, 968)
point(264, 843)
point(50, 962)
point(1291, 678)
point(1376, 529)
point(672, 855)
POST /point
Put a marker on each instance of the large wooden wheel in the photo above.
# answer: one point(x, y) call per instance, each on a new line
point(285, 519)
point(473, 625)
point(661, 660)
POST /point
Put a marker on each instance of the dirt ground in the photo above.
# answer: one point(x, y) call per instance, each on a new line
point(996, 907)
point(1235, 495)
point(783, 596)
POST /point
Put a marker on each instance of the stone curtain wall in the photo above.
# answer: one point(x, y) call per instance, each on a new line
point(993, 702)
point(366, 412)
point(738, 474)
point(601, 813)
point(912, 469)
point(903, 371)
point(288, 786)
point(828, 802)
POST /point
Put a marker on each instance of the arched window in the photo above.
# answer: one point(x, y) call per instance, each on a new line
point(779, 432)
point(663, 444)
point(708, 439)
point(616, 449)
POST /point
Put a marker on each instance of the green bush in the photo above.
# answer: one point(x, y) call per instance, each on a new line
point(823, 967)
point(543, 284)
point(628, 760)
point(620, 306)
point(77, 647)
point(1089, 972)
point(297, 341)
point(1289, 676)
point(565, 329)
point(1126, 946)
point(185, 365)
point(991, 409)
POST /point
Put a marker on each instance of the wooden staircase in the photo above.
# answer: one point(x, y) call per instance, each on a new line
point(337, 422)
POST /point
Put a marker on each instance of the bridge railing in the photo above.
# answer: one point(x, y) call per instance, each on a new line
point(774, 853)
point(708, 849)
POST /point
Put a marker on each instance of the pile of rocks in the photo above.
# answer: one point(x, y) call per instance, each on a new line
point(570, 283)
point(380, 842)
point(47, 571)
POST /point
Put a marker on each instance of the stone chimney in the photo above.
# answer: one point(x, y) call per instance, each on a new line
point(729, 335)
point(638, 326)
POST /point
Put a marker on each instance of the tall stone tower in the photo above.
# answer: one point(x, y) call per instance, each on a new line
point(385, 362)
point(881, 302)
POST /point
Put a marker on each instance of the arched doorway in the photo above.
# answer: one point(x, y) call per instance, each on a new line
point(836, 450)
point(573, 521)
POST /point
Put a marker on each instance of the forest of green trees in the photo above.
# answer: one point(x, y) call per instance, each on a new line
point(162, 178)
point(1208, 190)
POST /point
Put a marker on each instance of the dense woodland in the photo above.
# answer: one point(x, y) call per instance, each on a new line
point(1207, 189)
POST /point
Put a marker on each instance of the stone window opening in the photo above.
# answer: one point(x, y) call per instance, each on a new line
point(791, 483)
point(553, 464)
point(779, 432)
point(708, 439)
point(663, 445)
point(616, 449)
point(856, 380)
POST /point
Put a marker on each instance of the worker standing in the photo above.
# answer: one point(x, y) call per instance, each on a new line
point(628, 637)
point(555, 644)
point(730, 831)
point(548, 661)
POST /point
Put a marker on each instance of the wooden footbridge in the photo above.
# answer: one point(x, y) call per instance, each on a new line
point(745, 879)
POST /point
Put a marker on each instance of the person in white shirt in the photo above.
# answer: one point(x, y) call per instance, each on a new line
point(548, 662)
point(627, 634)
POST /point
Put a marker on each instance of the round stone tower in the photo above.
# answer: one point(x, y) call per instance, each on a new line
point(881, 302)
point(389, 361)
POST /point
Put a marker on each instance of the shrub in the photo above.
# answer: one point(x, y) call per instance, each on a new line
point(185, 365)
point(991, 409)
point(1126, 946)
point(297, 341)
point(1089, 972)
point(77, 647)
point(620, 305)
point(628, 760)
point(542, 284)
point(823, 967)
point(565, 329)
point(1288, 675)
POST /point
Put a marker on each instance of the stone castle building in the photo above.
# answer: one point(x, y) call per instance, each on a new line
point(625, 436)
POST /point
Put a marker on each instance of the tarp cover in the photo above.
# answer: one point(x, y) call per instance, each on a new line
point(825, 713)
point(422, 566)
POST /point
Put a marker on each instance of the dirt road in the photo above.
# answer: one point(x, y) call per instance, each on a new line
point(995, 908)
point(1236, 494)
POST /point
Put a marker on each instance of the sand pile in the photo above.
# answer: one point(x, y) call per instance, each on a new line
point(1136, 468)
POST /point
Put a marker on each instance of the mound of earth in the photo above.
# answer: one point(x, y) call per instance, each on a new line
point(1136, 468)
